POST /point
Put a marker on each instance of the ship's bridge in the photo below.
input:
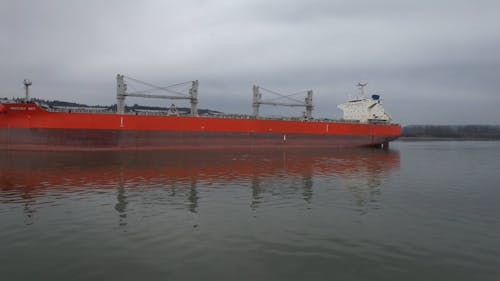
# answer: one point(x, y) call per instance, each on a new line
point(364, 109)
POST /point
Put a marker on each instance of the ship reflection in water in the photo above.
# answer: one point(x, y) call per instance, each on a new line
point(189, 179)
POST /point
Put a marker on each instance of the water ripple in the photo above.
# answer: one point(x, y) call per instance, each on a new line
point(403, 214)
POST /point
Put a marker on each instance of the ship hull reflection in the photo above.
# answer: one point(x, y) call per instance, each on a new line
point(30, 175)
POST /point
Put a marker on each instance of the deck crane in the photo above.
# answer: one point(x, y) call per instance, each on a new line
point(121, 93)
point(257, 100)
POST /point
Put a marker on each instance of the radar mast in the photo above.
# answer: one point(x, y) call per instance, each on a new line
point(361, 85)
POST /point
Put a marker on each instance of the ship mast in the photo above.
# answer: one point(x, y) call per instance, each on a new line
point(27, 83)
point(361, 85)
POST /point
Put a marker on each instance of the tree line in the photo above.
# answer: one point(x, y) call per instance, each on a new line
point(452, 131)
point(58, 103)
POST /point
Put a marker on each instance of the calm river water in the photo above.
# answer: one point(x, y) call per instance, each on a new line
point(420, 211)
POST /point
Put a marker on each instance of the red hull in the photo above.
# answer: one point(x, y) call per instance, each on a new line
point(28, 127)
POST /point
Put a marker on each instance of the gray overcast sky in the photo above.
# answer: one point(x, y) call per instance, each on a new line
point(434, 62)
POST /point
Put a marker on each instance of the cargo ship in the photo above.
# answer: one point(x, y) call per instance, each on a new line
point(30, 125)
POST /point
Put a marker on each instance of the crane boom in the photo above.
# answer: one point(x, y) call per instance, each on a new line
point(157, 96)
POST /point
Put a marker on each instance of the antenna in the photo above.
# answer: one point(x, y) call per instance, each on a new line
point(361, 85)
point(27, 83)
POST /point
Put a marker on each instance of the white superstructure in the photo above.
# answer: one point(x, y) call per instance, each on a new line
point(364, 109)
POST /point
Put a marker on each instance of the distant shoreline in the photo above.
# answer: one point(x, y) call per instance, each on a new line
point(416, 139)
point(450, 132)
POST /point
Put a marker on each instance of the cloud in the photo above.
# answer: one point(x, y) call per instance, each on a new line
point(417, 54)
